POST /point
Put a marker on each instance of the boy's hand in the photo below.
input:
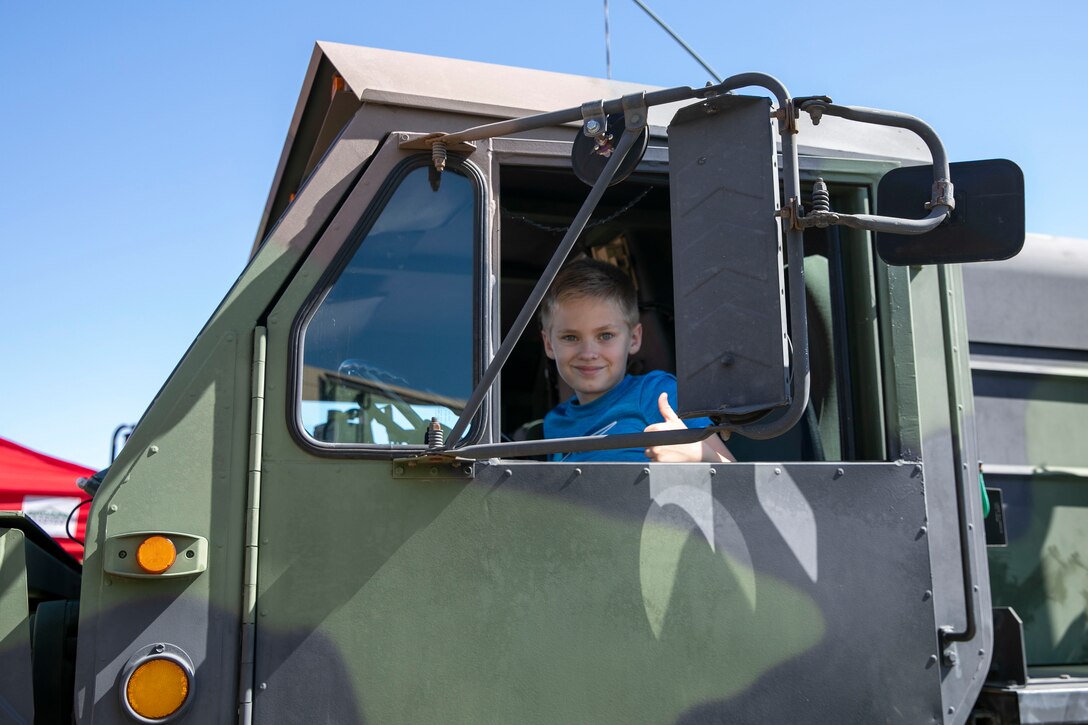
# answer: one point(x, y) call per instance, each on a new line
point(680, 453)
point(712, 449)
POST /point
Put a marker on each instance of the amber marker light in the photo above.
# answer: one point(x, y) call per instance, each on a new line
point(156, 554)
point(157, 688)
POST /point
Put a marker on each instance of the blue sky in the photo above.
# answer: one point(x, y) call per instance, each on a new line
point(139, 140)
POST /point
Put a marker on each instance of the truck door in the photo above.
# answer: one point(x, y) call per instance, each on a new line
point(395, 588)
point(380, 332)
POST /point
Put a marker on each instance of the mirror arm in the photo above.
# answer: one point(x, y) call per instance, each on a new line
point(774, 426)
point(568, 115)
point(800, 382)
point(615, 105)
point(627, 140)
point(942, 200)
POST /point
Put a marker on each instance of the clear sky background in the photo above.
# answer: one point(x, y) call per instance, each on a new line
point(138, 142)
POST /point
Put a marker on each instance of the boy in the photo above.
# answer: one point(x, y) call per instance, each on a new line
point(590, 327)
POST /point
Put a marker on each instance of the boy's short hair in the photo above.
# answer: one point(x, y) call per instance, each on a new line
point(591, 278)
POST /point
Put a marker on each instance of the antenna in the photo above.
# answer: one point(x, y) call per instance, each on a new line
point(717, 78)
point(607, 44)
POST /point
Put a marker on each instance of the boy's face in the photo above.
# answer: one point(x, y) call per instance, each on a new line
point(589, 339)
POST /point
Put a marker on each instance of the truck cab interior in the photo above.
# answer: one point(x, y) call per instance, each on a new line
point(631, 229)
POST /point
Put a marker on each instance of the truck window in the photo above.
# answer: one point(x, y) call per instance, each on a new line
point(631, 228)
point(389, 344)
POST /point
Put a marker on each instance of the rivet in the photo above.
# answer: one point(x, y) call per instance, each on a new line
point(508, 473)
point(713, 471)
point(778, 471)
point(577, 471)
point(264, 685)
point(982, 653)
point(434, 470)
point(160, 648)
point(951, 710)
point(840, 472)
point(152, 450)
point(122, 554)
point(399, 470)
point(113, 507)
point(926, 595)
point(923, 531)
point(645, 471)
point(190, 554)
point(933, 659)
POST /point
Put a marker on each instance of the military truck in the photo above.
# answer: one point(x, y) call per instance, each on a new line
point(339, 508)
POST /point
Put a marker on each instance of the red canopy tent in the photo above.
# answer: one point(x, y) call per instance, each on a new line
point(45, 488)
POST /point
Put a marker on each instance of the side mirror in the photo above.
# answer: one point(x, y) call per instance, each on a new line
point(729, 295)
point(987, 223)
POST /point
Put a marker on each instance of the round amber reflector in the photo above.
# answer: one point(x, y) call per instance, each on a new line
point(157, 689)
point(156, 554)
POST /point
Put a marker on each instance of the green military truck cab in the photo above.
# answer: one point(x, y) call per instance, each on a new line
point(286, 536)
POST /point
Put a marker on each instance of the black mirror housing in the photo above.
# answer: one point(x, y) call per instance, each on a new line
point(729, 294)
point(986, 225)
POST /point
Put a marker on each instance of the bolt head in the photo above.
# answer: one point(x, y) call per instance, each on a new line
point(593, 126)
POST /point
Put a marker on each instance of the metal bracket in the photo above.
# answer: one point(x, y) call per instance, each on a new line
point(791, 213)
point(436, 144)
point(787, 117)
point(424, 143)
point(594, 119)
point(943, 194)
point(814, 110)
point(634, 110)
point(434, 467)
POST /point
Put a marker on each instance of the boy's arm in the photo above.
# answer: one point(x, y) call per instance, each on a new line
point(711, 449)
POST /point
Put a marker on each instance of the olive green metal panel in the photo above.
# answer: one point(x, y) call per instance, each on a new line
point(16, 686)
point(931, 419)
point(1042, 573)
point(184, 470)
point(538, 594)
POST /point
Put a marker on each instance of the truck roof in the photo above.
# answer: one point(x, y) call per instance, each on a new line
point(387, 77)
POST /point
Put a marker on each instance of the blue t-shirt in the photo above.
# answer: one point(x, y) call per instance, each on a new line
point(627, 408)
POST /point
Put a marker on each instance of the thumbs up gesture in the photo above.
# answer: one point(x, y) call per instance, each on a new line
point(711, 449)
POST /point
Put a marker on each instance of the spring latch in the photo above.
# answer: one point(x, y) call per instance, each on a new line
point(434, 437)
point(438, 155)
point(821, 198)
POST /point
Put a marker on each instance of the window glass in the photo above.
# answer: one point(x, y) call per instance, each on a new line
point(391, 344)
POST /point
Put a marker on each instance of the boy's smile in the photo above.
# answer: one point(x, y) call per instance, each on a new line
point(589, 339)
